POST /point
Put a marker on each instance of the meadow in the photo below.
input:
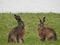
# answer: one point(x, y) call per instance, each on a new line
point(31, 21)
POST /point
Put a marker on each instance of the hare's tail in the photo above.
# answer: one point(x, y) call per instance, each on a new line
point(55, 36)
point(9, 38)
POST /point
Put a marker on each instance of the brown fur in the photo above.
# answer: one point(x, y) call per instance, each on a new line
point(17, 33)
point(46, 33)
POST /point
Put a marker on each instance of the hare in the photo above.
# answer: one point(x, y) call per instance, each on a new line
point(46, 33)
point(17, 33)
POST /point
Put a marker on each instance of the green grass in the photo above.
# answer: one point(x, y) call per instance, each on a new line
point(31, 20)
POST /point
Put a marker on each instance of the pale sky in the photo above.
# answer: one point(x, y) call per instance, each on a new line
point(30, 6)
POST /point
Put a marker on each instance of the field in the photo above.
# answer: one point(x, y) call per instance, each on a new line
point(31, 20)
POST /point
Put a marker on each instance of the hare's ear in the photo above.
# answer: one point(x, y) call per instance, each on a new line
point(15, 15)
point(40, 20)
point(44, 19)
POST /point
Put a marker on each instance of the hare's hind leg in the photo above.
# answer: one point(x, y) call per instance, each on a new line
point(12, 38)
point(49, 37)
point(54, 38)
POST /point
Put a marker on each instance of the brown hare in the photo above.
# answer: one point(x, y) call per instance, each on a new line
point(17, 33)
point(46, 33)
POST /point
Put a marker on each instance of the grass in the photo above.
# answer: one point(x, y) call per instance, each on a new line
point(31, 20)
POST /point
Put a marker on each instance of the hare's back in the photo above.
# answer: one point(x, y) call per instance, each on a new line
point(49, 31)
point(14, 31)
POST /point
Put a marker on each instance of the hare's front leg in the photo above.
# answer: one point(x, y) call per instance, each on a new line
point(20, 39)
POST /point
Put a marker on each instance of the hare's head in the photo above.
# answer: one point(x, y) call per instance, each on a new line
point(17, 18)
point(42, 23)
point(20, 22)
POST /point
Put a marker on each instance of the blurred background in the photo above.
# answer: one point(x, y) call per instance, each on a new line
point(34, 6)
